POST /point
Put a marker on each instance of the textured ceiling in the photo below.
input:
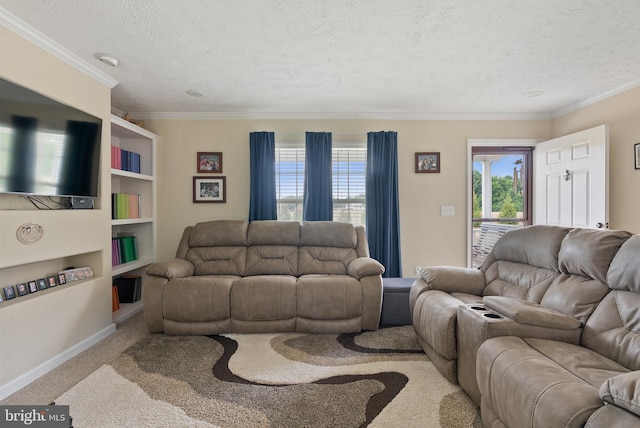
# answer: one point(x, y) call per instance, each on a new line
point(357, 58)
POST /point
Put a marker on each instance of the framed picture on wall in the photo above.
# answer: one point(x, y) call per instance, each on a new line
point(22, 289)
point(209, 162)
point(427, 162)
point(636, 150)
point(210, 189)
point(9, 292)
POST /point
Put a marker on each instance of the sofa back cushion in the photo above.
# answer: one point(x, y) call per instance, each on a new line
point(584, 258)
point(524, 262)
point(613, 330)
point(218, 247)
point(624, 271)
point(219, 233)
point(273, 248)
point(589, 252)
point(533, 245)
point(326, 247)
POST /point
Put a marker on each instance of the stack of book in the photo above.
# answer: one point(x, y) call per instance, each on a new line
point(123, 249)
point(129, 288)
point(125, 160)
point(125, 206)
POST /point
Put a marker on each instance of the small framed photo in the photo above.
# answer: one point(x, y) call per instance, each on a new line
point(428, 162)
point(33, 287)
point(9, 292)
point(209, 162)
point(51, 281)
point(61, 278)
point(210, 189)
point(42, 284)
point(636, 150)
point(22, 289)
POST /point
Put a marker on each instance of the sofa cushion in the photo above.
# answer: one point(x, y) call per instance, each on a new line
point(218, 260)
point(272, 260)
point(194, 299)
point(328, 234)
point(264, 298)
point(329, 297)
point(523, 380)
point(624, 271)
point(623, 391)
point(574, 295)
point(541, 249)
point(588, 252)
point(325, 260)
point(613, 329)
point(518, 280)
point(273, 232)
point(219, 233)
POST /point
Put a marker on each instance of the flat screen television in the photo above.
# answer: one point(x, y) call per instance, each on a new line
point(46, 148)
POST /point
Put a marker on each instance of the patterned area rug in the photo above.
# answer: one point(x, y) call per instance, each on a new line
point(371, 379)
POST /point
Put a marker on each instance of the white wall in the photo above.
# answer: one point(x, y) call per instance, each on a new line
point(39, 331)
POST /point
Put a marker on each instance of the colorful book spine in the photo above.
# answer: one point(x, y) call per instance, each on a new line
point(123, 249)
point(124, 206)
point(125, 160)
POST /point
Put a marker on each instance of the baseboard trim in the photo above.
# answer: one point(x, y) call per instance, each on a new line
point(37, 372)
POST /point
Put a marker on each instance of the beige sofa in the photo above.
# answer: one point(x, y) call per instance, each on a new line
point(266, 276)
point(545, 332)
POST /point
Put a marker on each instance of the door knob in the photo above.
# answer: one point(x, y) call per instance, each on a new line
point(600, 225)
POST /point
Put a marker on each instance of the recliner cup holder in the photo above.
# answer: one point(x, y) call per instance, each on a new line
point(478, 308)
point(492, 316)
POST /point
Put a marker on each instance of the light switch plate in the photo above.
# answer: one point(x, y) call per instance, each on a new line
point(447, 210)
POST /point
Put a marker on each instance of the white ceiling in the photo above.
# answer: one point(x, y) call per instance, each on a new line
point(347, 58)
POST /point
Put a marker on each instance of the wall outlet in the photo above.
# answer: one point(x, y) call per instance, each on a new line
point(418, 269)
point(447, 210)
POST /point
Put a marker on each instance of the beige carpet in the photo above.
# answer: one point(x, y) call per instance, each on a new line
point(373, 379)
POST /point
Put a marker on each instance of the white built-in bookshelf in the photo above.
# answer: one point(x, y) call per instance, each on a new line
point(132, 138)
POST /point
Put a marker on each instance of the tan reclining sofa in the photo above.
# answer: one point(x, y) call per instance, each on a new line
point(545, 333)
point(266, 276)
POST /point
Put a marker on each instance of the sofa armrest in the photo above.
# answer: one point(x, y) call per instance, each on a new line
point(452, 279)
point(176, 268)
point(623, 391)
point(365, 266)
point(530, 313)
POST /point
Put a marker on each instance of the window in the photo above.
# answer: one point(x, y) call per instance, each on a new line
point(348, 169)
point(348, 172)
point(501, 195)
point(290, 181)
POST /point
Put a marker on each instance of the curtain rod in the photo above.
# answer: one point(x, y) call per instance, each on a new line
point(363, 134)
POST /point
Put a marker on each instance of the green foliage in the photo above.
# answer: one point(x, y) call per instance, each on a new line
point(508, 209)
point(502, 188)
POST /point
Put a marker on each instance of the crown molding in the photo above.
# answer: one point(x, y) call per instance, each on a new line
point(333, 116)
point(587, 102)
point(25, 30)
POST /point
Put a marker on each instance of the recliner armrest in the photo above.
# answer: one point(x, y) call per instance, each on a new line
point(530, 313)
point(177, 268)
point(452, 279)
point(365, 266)
point(623, 391)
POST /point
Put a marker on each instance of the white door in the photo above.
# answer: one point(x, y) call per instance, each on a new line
point(571, 184)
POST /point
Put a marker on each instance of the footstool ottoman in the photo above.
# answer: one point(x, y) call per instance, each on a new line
point(395, 301)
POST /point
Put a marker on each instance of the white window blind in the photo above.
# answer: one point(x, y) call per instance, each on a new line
point(290, 182)
point(348, 174)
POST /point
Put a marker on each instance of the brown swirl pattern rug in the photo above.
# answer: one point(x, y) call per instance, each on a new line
point(371, 379)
